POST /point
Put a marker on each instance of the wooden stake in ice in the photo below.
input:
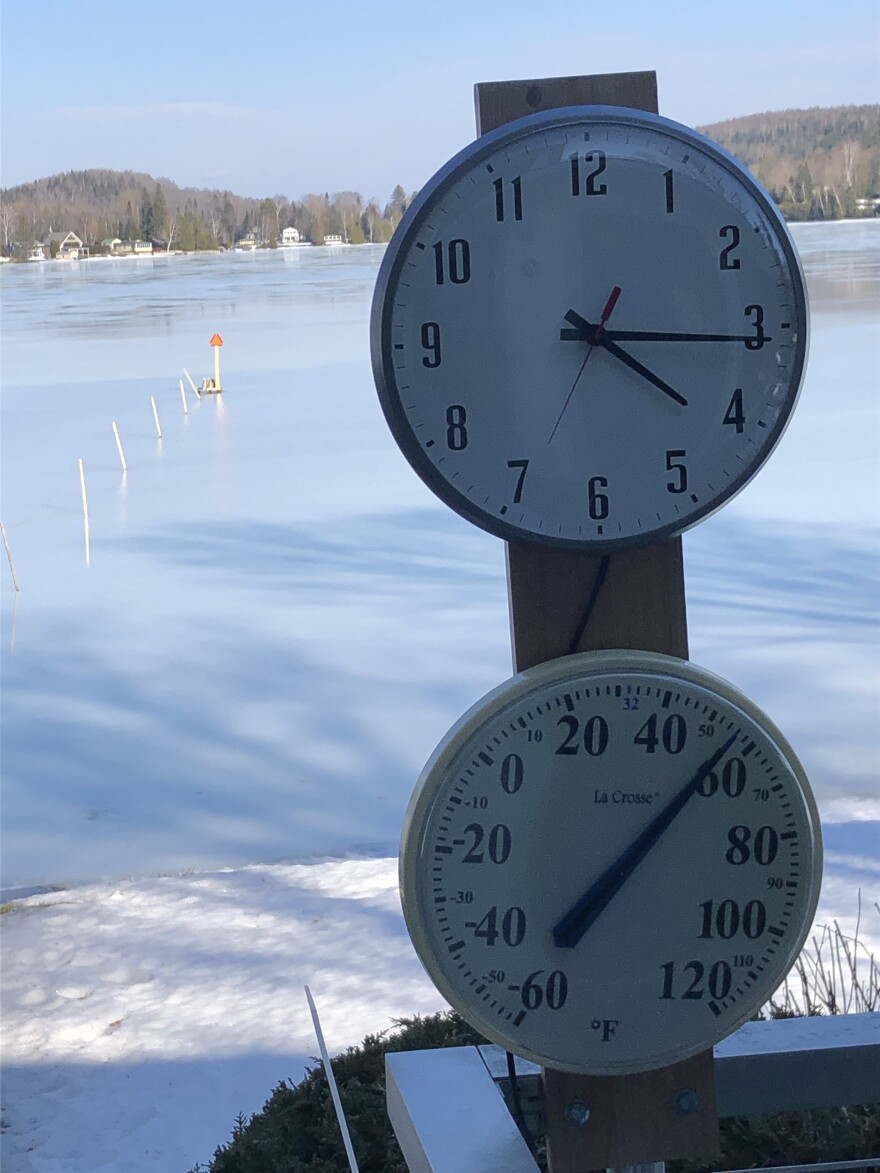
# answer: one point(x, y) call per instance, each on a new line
point(191, 383)
point(85, 501)
point(183, 398)
point(119, 446)
point(156, 416)
point(9, 556)
point(334, 1091)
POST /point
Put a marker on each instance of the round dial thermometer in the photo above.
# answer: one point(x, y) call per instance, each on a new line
point(610, 862)
point(590, 329)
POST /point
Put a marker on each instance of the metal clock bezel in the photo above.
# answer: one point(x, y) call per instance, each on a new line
point(381, 344)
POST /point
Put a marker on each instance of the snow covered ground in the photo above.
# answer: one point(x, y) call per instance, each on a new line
point(276, 626)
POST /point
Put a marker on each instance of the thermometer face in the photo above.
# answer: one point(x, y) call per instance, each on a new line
point(610, 862)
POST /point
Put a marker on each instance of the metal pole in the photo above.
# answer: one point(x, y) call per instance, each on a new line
point(156, 416)
point(334, 1090)
point(119, 446)
point(9, 556)
point(85, 505)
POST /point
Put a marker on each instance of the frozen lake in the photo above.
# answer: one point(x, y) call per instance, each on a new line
point(278, 622)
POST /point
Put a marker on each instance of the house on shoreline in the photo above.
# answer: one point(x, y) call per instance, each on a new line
point(70, 247)
point(115, 247)
point(291, 238)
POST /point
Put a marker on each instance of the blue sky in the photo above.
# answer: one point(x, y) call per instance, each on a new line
point(280, 96)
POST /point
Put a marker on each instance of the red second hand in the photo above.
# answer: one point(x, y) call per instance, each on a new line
point(606, 313)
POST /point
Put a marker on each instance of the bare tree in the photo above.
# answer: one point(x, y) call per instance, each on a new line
point(349, 206)
point(7, 218)
point(851, 152)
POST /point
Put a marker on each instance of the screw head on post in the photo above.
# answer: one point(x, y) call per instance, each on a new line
point(686, 1102)
point(577, 1111)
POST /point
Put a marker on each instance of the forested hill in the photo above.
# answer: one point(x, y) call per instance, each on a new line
point(822, 163)
point(102, 204)
point(816, 163)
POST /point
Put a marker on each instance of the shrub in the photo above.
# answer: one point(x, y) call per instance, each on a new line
point(297, 1132)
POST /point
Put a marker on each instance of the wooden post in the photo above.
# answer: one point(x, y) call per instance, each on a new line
point(566, 601)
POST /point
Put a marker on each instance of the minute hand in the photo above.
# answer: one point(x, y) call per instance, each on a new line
point(671, 336)
point(569, 929)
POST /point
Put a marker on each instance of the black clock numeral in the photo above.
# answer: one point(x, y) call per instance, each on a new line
point(673, 734)
point(725, 260)
point(513, 926)
point(726, 919)
point(522, 465)
point(552, 993)
point(456, 432)
point(762, 847)
point(516, 184)
point(498, 844)
point(597, 502)
point(590, 186)
point(431, 343)
point(719, 983)
point(512, 772)
point(732, 781)
point(757, 315)
point(670, 203)
point(673, 464)
point(595, 737)
point(735, 415)
point(456, 258)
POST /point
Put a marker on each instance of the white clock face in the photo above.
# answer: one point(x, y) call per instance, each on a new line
point(590, 329)
point(610, 862)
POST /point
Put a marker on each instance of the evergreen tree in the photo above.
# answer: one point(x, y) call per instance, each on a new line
point(160, 212)
point(145, 222)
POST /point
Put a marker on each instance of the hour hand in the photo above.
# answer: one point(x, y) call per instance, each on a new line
point(582, 330)
point(587, 332)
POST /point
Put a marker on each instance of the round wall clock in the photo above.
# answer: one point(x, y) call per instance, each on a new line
point(610, 862)
point(590, 329)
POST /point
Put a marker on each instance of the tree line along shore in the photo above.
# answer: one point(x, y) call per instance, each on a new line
point(817, 164)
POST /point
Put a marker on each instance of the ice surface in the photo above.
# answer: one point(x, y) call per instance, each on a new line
point(277, 624)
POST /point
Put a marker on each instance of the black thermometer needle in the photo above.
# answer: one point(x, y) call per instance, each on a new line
point(570, 928)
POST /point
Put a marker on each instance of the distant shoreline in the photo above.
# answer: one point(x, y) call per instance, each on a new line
point(306, 248)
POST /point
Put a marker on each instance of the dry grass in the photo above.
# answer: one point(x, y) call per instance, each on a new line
point(834, 974)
